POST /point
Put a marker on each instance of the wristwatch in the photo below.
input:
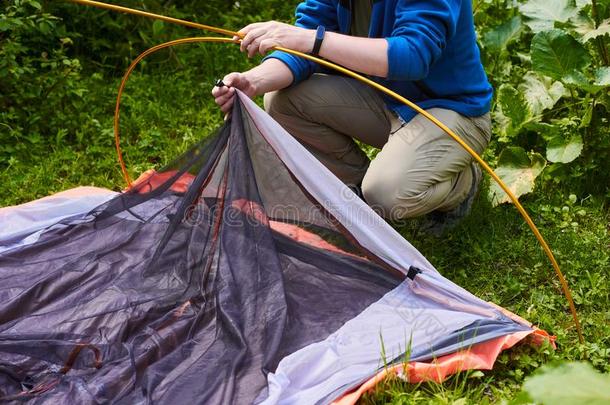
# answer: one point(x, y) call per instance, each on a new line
point(319, 38)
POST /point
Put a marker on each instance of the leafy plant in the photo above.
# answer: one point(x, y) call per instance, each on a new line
point(518, 170)
point(37, 79)
point(573, 383)
point(553, 97)
point(58, 78)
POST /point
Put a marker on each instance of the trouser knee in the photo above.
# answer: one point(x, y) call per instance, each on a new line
point(381, 196)
point(392, 199)
point(278, 104)
point(269, 101)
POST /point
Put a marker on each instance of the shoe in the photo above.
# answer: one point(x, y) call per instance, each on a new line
point(438, 222)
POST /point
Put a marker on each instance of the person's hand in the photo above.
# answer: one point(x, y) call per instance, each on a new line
point(261, 37)
point(225, 95)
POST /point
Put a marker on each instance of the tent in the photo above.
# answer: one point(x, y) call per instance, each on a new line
point(243, 272)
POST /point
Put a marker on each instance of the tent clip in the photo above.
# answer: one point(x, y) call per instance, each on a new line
point(413, 271)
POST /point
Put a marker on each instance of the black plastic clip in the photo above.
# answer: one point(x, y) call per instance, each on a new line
point(413, 271)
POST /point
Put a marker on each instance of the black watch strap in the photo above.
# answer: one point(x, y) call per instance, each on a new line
point(319, 38)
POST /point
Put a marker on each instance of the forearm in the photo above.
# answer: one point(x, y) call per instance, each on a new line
point(364, 55)
point(270, 75)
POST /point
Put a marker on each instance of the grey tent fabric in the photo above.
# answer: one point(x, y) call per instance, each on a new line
point(242, 272)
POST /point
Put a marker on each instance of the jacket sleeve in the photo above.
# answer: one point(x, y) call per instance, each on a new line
point(421, 31)
point(309, 14)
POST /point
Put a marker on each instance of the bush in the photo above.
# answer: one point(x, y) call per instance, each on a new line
point(60, 64)
point(41, 86)
point(549, 63)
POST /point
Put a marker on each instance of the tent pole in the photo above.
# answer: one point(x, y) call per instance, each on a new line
point(545, 247)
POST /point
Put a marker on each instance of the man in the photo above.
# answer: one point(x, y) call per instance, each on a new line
point(423, 49)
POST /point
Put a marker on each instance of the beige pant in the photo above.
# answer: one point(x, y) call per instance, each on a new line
point(419, 168)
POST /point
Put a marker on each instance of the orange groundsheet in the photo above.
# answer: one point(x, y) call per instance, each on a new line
point(151, 179)
point(478, 357)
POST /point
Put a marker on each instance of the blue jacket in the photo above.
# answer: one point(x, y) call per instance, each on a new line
point(433, 58)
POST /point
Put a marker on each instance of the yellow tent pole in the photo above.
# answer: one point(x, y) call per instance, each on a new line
point(117, 107)
point(547, 250)
point(146, 14)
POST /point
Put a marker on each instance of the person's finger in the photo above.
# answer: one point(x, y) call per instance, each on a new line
point(219, 91)
point(249, 28)
point(245, 41)
point(251, 37)
point(232, 79)
point(228, 105)
point(221, 100)
point(266, 45)
point(253, 48)
point(246, 29)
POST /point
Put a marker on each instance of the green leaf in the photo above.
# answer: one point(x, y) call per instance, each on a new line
point(560, 150)
point(5, 24)
point(580, 4)
point(35, 4)
point(602, 76)
point(585, 121)
point(518, 171)
point(585, 27)
point(540, 93)
point(545, 130)
point(569, 384)
point(556, 54)
point(499, 37)
point(144, 36)
point(579, 80)
point(514, 108)
point(157, 28)
point(542, 14)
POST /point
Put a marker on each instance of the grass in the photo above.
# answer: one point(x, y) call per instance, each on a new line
point(492, 253)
